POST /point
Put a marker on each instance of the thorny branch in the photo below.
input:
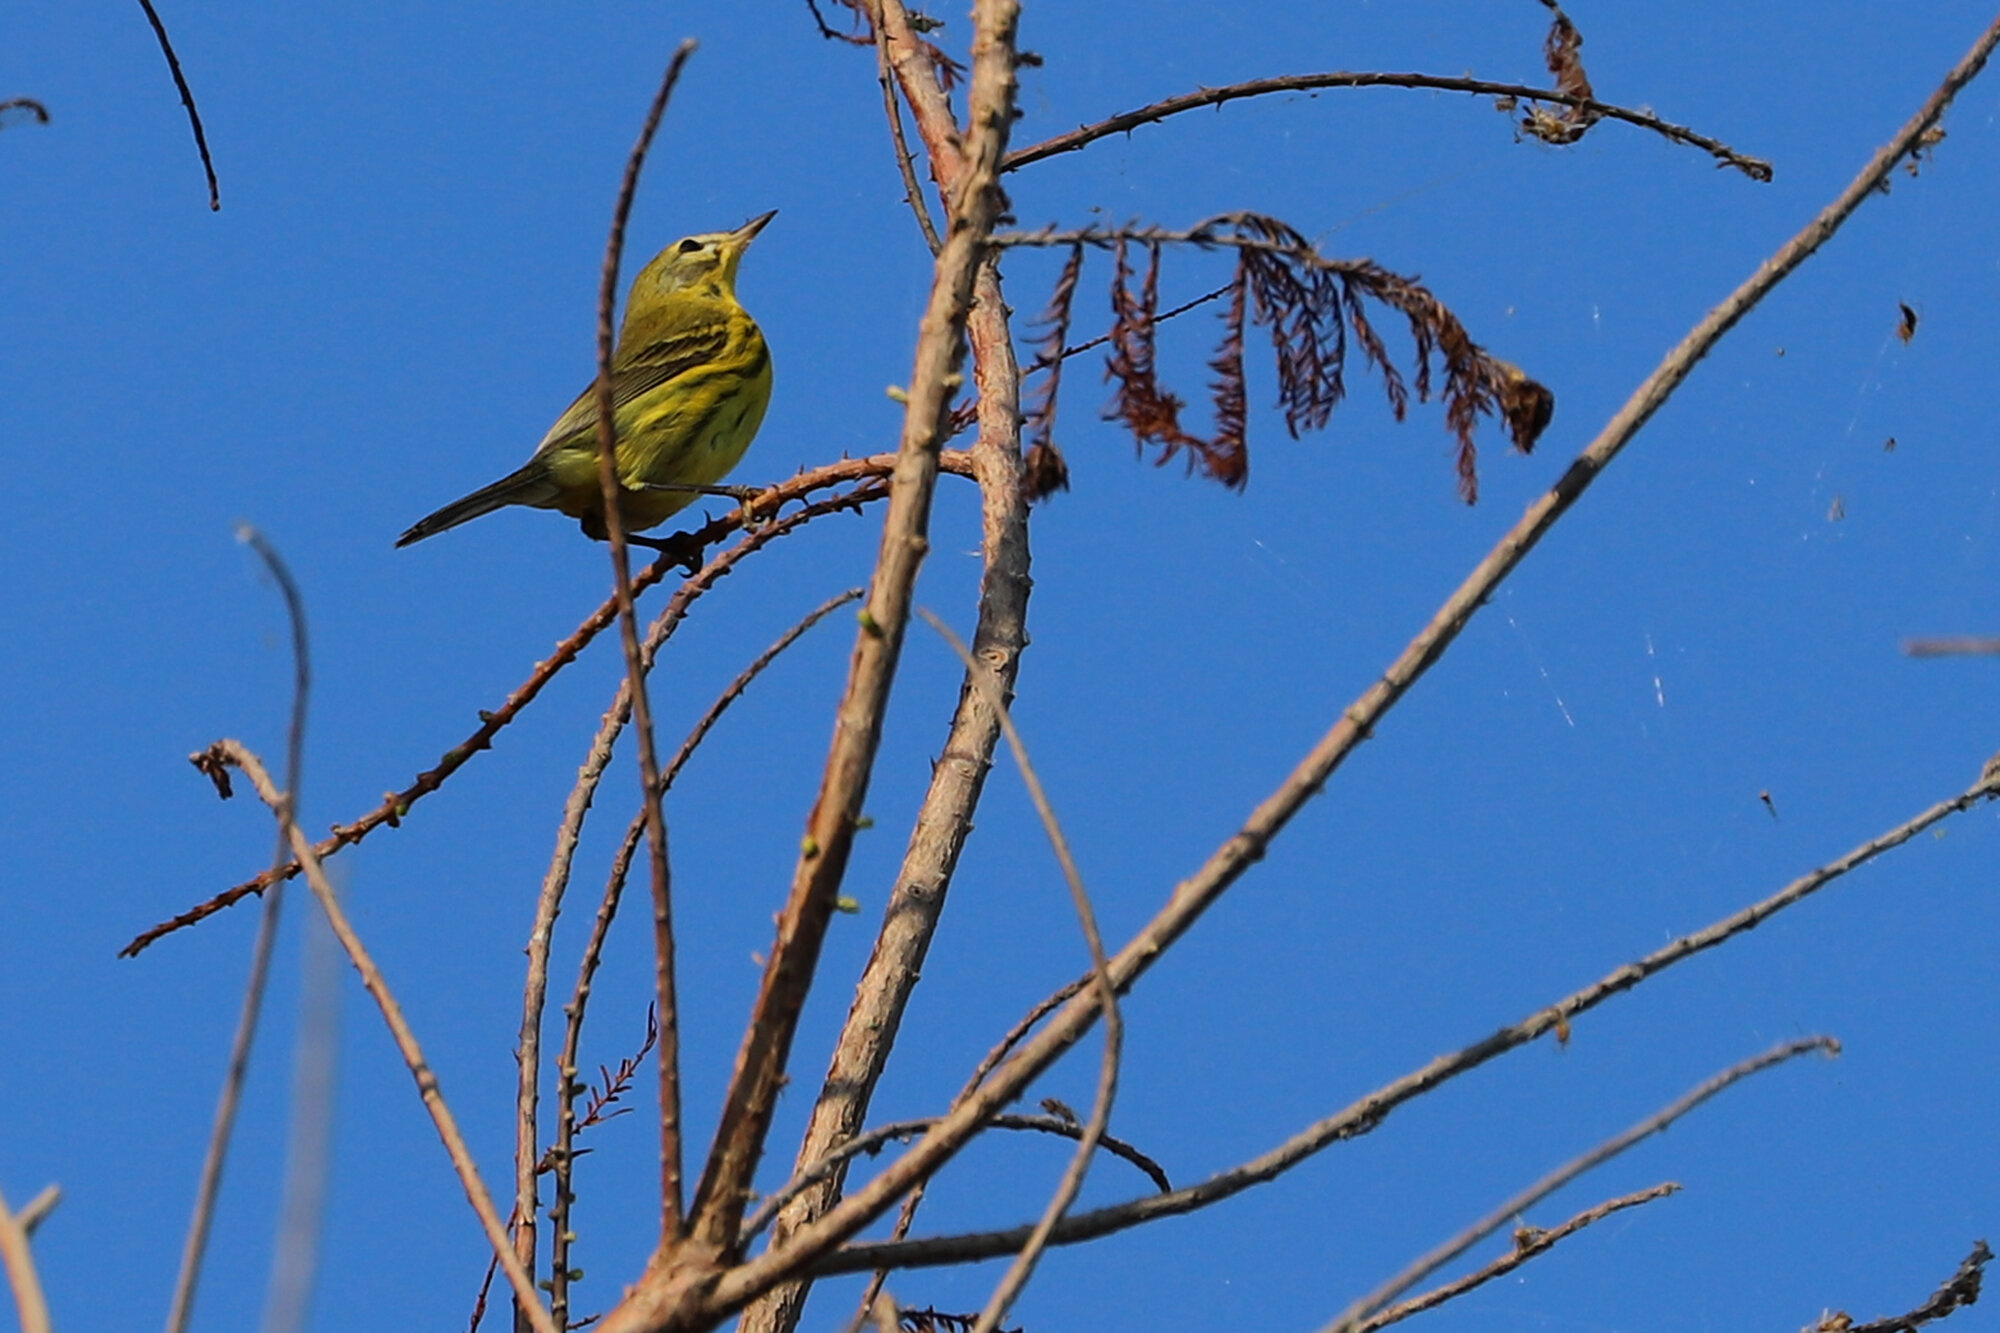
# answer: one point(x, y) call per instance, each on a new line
point(396, 805)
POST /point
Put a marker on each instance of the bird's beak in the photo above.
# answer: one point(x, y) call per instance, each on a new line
point(743, 234)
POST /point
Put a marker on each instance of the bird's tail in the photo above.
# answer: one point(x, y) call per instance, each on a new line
point(531, 485)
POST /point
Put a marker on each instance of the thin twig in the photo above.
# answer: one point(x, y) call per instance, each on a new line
point(699, 732)
point(19, 1261)
point(34, 108)
point(1193, 896)
point(1528, 1243)
point(1755, 168)
point(907, 1215)
point(1964, 645)
point(397, 804)
point(209, 1188)
point(1959, 1290)
point(237, 756)
point(36, 1210)
point(1368, 1112)
point(1421, 1268)
point(187, 100)
point(905, 1130)
point(892, 107)
point(635, 681)
point(1022, 1268)
point(760, 1066)
point(563, 1154)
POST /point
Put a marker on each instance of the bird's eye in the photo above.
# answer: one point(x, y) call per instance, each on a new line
point(689, 246)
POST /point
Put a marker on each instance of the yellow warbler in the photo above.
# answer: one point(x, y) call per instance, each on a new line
point(690, 379)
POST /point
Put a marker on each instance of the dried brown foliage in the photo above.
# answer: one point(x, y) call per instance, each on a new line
point(937, 1321)
point(1563, 50)
point(1043, 470)
point(861, 32)
point(1317, 310)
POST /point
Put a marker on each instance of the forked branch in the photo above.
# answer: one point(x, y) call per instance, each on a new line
point(1192, 897)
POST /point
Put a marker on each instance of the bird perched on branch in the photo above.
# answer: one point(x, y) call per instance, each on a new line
point(690, 379)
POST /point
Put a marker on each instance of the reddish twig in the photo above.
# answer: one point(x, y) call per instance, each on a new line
point(397, 804)
point(567, 1124)
point(1755, 168)
point(187, 100)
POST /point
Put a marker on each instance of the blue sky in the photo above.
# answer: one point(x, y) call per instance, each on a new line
point(396, 299)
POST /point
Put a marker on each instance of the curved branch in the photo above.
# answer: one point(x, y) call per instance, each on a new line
point(1755, 168)
point(187, 100)
point(905, 1130)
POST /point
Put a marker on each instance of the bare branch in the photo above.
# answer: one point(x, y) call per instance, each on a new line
point(209, 1188)
point(19, 1261)
point(397, 804)
point(892, 107)
point(944, 821)
point(1193, 896)
point(1368, 1112)
point(1350, 1319)
point(1755, 168)
point(760, 1064)
point(635, 685)
point(187, 100)
point(1959, 1290)
point(237, 756)
point(36, 111)
point(36, 1210)
point(1016, 1277)
point(902, 1131)
point(1247, 846)
point(1528, 1243)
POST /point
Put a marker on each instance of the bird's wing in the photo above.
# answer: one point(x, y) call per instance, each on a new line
point(645, 368)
